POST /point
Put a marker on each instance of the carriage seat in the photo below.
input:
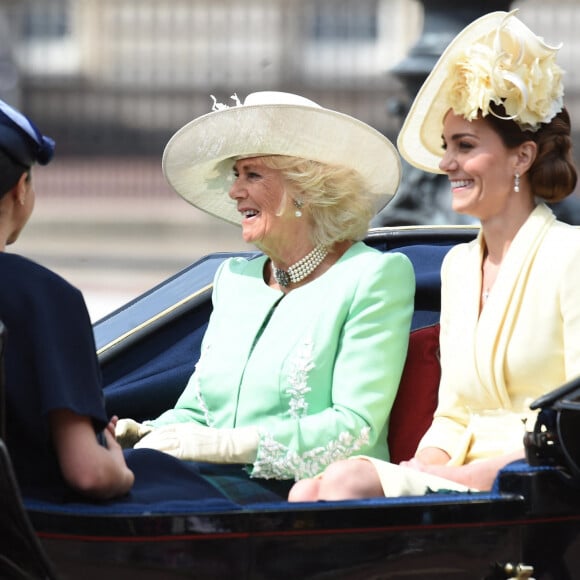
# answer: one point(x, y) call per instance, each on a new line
point(416, 398)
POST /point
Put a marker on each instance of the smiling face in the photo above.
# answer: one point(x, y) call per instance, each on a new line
point(480, 167)
point(269, 222)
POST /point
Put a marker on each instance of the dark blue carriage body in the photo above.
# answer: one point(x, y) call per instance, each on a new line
point(147, 349)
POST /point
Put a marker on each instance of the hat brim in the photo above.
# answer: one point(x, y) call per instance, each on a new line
point(198, 160)
point(420, 138)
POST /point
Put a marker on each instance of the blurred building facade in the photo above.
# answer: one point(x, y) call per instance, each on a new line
point(126, 73)
point(115, 78)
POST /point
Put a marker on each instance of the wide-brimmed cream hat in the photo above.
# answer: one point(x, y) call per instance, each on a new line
point(198, 160)
point(495, 59)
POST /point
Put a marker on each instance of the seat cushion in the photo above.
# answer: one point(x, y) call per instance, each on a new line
point(416, 399)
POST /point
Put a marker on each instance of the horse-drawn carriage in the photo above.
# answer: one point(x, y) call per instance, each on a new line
point(527, 526)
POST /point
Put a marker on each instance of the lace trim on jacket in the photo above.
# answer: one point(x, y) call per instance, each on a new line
point(298, 380)
point(277, 461)
point(209, 418)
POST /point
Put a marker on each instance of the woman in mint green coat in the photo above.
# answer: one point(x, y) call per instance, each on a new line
point(306, 343)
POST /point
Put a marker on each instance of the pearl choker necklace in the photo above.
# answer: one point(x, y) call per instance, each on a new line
point(300, 269)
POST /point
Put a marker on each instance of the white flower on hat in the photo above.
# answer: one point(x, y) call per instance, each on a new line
point(511, 67)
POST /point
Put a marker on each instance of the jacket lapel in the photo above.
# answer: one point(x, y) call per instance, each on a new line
point(497, 319)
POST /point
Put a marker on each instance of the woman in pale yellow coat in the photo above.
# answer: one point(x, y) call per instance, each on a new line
point(491, 117)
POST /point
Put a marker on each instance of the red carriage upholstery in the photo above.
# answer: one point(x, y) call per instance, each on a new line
point(417, 396)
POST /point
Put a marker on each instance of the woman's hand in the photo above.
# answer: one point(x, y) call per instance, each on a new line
point(478, 475)
point(460, 474)
point(194, 442)
point(90, 468)
point(128, 432)
point(112, 425)
point(429, 456)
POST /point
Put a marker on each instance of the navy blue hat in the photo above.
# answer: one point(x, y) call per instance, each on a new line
point(21, 140)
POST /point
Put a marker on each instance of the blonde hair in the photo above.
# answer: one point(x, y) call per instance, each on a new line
point(335, 196)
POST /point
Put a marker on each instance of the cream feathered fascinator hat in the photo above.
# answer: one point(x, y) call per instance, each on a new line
point(198, 160)
point(496, 60)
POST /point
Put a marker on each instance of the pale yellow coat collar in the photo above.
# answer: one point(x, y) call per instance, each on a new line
point(503, 305)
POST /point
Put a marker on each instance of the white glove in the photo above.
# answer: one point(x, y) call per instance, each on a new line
point(194, 442)
point(128, 432)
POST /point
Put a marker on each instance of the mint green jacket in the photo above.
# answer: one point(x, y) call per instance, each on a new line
point(315, 370)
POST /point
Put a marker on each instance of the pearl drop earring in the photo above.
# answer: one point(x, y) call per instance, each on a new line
point(517, 182)
point(298, 204)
